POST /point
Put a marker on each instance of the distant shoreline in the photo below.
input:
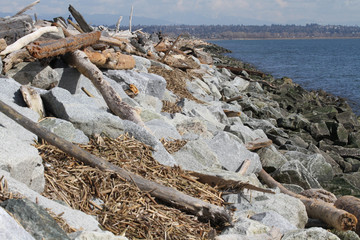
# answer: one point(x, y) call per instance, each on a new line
point(306, 38)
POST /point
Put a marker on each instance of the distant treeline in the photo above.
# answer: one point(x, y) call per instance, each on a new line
point(257, 32)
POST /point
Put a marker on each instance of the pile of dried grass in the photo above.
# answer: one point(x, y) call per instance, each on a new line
point(175, 82)
point(119, 205)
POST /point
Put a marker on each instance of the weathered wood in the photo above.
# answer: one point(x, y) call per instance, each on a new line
point(233, 99)
point(217, 215)
point(33, 100)
point(11, 29)
point(26, 8)
point(130, 18)
point(318, 193)
point(3, 44)
point(16, 57)
point(75, 26)
point(120, 108)
point(227, 185)
point(172, 46)
point(110, 59)
point(350, 204)
point(229, 113)
point(118, 24)
point(51, 48)
point(258, 143)
point(80, 20)
point(317, 209)
point(22, 42)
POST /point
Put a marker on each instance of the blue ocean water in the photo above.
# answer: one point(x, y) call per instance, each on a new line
point(329, 64)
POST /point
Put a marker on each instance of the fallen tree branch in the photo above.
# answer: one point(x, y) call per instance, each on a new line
point(26, 8)
point(80, 20)
point(51, 48)
point(350, 204)
point(318, 209)
point(75, 26)
point(172, 46)
point(22, 42)
point(81, 62)
point(203, 210)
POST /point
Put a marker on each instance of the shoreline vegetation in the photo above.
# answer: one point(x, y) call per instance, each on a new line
point(216, 32)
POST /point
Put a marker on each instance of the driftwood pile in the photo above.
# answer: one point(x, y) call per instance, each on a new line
point(110, 169)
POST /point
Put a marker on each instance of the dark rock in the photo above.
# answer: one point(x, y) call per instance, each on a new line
point(354, 139)
point(343, 185)
point(348, 119)
point(319, 131)
point(338, 133)
point(35, 219)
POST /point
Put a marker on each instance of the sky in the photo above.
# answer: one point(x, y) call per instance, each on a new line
point(247, 12)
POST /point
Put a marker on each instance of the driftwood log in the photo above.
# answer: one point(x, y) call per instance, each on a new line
point(110, 59)
point(51, 48)
point(22, 42)
point(80, 20)
point(217, 215)
point(120, 108)
point(350, 204)
point(318, 209)
point(11, 29)
point(16, 57)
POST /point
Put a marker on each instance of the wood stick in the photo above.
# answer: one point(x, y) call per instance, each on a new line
point(28, 39)
point(204, 211)
point(118, 24)
point(75, 26)
point(233, 99)
point(172, 46)
point(120, 108)
point(318, 209)
point(258, 143)
point(130, 18)
point(26, 8)
point(80, 20)
point(110, 59)
point(350, 204)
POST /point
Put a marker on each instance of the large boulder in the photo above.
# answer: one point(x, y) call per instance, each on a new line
point(35, 219)
point(17, 155)
point(196, 156)
point(293, 172)
point(232, 153)
point(310, 234)
point(271, 159)
point(147, 83)
point(316, 165)
point(10, 229)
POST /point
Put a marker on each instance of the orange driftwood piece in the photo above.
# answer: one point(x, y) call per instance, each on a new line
point(258, 143)
point(317, 209)
point(51, 48)
point(350, 204)
point(110, 59)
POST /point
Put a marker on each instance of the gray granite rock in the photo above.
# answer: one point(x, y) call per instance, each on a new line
point(196, 156)
point(10, 229)
point(141, 64)
point(17, 155)
point(161, 129)
point(293, 172)
point(271, 159)
point(244, 133)
point(310, 234)
point(240, 83)
point(87, 235)
point(83, 112)
point(147, 83)
point(75, 218)
point(34, 218)
point(64, 129)
point(36, 74)
point(190, 128)
point(273, 219)
point(292, 209)
point(232, 154)
point(314, 163)
point(160, 154)
point(149, 102)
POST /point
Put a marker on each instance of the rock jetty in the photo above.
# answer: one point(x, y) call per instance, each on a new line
point(207, 119)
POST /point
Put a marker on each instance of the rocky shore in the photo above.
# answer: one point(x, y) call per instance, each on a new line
point(183, 96)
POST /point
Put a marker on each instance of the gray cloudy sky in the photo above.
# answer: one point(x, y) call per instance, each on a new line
point(208, 11)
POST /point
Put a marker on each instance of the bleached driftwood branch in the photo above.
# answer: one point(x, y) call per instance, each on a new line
point(28, 39)
point(118, 24)
point(26, 8)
